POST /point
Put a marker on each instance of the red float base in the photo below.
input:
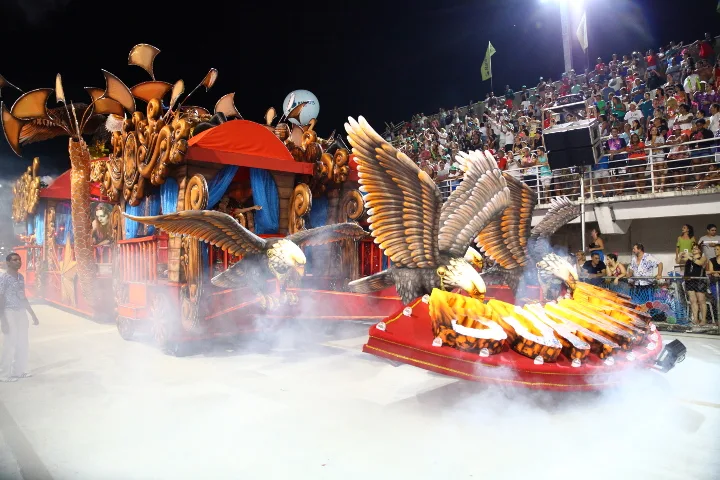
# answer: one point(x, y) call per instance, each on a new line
point(409, 340)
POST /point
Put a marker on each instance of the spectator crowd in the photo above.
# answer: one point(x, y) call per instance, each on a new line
point(658, 114)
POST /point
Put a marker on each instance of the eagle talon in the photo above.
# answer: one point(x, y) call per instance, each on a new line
point(268, 302)
point(290, 298)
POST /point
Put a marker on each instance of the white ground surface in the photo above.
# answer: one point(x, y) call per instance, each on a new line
point(312, 406)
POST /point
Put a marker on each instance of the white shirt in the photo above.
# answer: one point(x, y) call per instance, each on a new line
point(685, 121)
point(715, 123)
point(634, 115)
point(692, 83)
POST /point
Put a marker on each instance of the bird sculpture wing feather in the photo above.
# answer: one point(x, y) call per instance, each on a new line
point(215, 228)
point(505, 238)
point(327, 234)
point(40, 129)
point(561, 212)
point(403, 202)
point(372, 283)
point(481, 196)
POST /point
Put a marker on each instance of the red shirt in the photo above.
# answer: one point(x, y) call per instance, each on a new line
point(651, 60)
point(502, 162)
point(600, 67)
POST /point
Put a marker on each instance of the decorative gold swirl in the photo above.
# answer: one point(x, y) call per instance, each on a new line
point(353, 205)
point(196, 193)
point(145, 150)
point(26, 193)
point(300, 205)
point(341, 169)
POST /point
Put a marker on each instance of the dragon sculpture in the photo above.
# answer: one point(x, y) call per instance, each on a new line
point(425, 240)
point(262, 259)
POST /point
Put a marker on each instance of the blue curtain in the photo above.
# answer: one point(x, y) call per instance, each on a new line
point(169, 196)
point(40, 225)
point(31, 226)
point(219, 184)
point(265, 194)
point(151, 207)
point(319, 212)
point(131, 226)
point(63, 219)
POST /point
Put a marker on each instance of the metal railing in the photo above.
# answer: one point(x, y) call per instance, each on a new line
point(138, 259)
point(656, 171)
point(665, 298)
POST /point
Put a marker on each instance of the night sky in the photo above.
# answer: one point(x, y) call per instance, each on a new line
point(384, 60)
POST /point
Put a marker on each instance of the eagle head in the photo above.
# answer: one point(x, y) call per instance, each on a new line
point(284, 257)
point(460, 274)
point(559, 267)
point(474, 258)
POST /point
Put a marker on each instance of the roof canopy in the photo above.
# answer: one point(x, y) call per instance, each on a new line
point(245, 144)
point(59, 189)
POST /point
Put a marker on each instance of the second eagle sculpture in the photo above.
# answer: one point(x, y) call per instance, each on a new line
point(262, 259)
point(425, 240)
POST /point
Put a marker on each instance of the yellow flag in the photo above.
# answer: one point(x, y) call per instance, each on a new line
point(486, 68)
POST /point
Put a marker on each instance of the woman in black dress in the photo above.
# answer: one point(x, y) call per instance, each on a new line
point(696, 287)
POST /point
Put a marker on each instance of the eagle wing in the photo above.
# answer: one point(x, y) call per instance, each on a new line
point(403, 201)
point(561, 212)
point(215, 228)
point(482, 195)
point(327, 234)
point(505, 239)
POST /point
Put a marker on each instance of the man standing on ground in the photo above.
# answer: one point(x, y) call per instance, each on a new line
point(14, 310)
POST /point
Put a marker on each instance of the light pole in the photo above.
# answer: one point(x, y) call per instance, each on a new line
point(565, 26)
point(564, 6)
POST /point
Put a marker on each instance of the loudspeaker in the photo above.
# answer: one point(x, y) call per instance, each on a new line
point(555, 137)
point(583, 133)
point(575, 157)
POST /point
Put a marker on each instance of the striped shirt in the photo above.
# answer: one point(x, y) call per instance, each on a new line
point(13, 289)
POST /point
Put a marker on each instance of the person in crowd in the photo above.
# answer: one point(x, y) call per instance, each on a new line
point(643, 265)
point(678, 158)
point(544, 171)
point(713, 271)
point(708, 241)
point(614, 269)
point(530, 170)
point(696, 285)
point(14, 311)
point(637, 162)
point(657, 156)
point(601, 173)
point(684, 244)
point(594, 269)
point(597, 244)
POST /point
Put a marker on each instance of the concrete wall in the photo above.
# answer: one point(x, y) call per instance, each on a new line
point(659, 235)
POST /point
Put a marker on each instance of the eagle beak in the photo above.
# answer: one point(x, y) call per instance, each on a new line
point(477, 290)
point(300, 269)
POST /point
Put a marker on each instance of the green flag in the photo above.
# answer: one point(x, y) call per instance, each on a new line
point(486, 68)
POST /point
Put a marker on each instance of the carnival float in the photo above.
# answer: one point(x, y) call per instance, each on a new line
point(276, 179)
point(195, 224)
